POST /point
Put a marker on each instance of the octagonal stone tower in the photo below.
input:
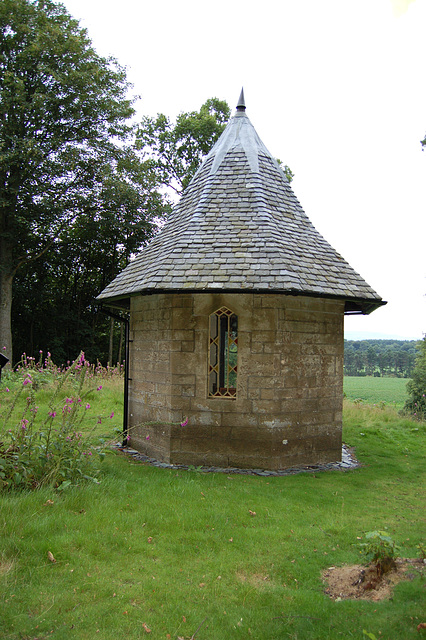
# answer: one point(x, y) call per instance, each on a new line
point(236, 320)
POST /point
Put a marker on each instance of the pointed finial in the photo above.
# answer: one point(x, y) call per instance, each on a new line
point(241, 106)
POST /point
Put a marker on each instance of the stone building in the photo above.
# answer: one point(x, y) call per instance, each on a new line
point(236, 320)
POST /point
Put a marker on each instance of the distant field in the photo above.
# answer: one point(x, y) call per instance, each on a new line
point(393, 391)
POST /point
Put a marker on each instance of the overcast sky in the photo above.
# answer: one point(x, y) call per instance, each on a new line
point(335, 89)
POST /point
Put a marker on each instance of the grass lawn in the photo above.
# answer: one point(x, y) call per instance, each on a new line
point(391, 391)
point(166, 554)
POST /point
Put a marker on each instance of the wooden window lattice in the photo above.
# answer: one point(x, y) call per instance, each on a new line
point(223, 348)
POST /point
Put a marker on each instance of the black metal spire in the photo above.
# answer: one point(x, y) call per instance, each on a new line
point(241, 106)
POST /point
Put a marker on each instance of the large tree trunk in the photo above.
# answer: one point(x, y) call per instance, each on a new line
point(6, 279)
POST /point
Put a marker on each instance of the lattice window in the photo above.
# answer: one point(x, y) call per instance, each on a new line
point(223, 347)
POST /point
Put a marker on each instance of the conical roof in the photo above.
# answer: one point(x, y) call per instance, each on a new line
point(239, 227)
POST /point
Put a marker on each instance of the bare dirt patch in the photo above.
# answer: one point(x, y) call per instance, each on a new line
point(362, 582)
point(6, 566)
point(257, 580)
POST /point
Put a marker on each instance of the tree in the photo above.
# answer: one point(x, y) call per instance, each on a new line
point(416, 387)
point(176, 150)
point(371, 358)
point(84, 258)
point(64, 113)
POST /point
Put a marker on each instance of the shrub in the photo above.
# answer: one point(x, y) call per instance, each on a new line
point(47, 449)
point(416, 387)
point(380, 549)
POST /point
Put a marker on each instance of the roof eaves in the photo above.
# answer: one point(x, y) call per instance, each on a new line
point(353, 306)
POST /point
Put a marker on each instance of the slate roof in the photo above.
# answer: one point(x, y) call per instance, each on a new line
point(239, 227)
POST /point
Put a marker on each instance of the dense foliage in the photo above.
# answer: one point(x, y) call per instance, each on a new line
point(44, 432)
point(379, 357)
point(416, 387)
point(78, 199)
point(131, 197)
point(175, 150)
point(64, 121)
point(61, 284)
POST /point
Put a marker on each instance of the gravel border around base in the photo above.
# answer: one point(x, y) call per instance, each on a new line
point(347, 463)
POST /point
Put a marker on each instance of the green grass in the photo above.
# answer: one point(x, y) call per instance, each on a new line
point(173, 550)
point(392, 391)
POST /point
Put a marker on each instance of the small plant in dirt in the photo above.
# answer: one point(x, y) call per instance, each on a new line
point(46, 446)
point(379, 549)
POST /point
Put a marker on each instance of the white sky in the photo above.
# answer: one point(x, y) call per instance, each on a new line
point(335, 88)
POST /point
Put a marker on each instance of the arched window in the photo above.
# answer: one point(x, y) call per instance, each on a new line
point(223, 346)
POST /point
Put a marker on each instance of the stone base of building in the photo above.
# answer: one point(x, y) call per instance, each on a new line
point(348, 461)
point(287, 410)
point(251, 450)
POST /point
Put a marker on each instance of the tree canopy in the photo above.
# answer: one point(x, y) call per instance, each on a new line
point(126, 198)
point(87, 254)
point(64, 115)
point(176, 150)
point(81, 187)
point(77, 197)
point(379, 357)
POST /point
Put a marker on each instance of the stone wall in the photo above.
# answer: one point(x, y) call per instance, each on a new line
point(288, 408)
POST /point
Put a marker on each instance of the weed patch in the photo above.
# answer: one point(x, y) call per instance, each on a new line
point(44, 435)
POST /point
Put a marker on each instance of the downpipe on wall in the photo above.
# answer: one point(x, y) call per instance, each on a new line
point(126, 322)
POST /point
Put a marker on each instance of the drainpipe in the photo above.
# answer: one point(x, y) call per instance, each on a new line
point(3, 362)
point(126, 370)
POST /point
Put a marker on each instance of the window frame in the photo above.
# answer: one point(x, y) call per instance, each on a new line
point(222, 354)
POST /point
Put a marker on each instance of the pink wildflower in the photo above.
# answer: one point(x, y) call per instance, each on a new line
point(184, 423)
point(112, 414)
point(147, 437)
point(99, 421)
point(52, 414)
point(7, 389)
point(99, 388)
point(87, 406)
point(127, 438)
